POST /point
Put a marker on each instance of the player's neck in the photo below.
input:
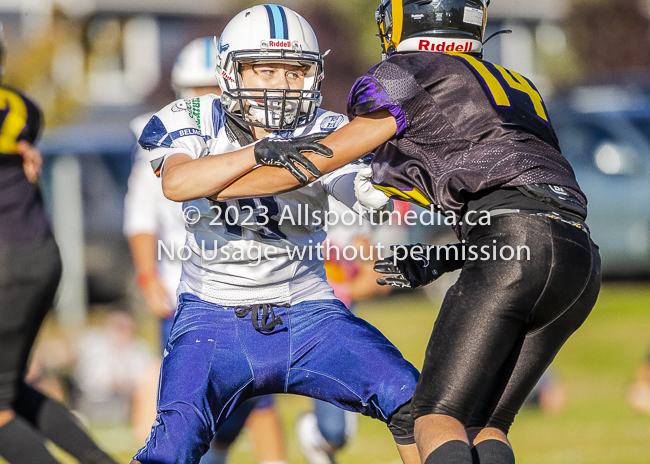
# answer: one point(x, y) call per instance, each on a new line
point(260, 132)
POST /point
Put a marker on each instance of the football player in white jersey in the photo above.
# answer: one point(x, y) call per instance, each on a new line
point(255, 313)
point(149, 217)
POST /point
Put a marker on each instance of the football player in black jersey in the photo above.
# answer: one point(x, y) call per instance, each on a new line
point(474, 140)
point(30, 268)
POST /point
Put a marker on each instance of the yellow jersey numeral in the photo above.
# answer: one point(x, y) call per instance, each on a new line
point(515, 81)
point(15, 117)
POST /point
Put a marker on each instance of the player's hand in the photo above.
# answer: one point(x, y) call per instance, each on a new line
point(417, 265)
point(288, 154)
point(369, 196)
point(32, 160)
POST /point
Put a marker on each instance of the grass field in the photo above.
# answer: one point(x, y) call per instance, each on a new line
point(596, 366)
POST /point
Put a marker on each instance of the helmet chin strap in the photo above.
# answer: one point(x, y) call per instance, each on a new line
point(504, 31)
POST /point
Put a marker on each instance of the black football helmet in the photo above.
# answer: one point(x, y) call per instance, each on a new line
point(432, 25)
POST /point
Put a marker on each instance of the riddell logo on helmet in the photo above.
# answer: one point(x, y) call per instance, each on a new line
point(227, 77)
point(444, 46)
point(280, 43)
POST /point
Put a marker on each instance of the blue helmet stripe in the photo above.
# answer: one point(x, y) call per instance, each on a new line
point(269, 12)
point(277, 22)
point(285, 26)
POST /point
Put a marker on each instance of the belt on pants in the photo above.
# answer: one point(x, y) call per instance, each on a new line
point(552, 215)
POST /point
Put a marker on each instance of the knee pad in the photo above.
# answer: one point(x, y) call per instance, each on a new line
point(402, 425)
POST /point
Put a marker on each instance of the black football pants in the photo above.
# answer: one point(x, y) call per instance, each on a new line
point(29, 276)
point(504, 320)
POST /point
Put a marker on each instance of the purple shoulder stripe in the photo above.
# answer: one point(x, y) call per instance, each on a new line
point(368, 95)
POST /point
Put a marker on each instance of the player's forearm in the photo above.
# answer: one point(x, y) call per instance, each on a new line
point(143, 250)
point(355, 140)
point(348, 143)
point(186, 179)
point(261, 182)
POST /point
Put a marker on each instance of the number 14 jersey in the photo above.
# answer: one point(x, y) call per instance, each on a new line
point(464, 126)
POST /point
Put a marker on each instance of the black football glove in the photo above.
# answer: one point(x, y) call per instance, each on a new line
point(418, 267)
point(287, 153)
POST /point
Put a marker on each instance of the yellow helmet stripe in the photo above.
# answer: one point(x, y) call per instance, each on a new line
point(398, 21)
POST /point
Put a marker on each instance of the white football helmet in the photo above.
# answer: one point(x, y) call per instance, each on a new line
point(262, 34)
point(194, 67)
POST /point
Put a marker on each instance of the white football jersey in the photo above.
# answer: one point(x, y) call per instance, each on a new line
point(147, 211)
point(248, 251)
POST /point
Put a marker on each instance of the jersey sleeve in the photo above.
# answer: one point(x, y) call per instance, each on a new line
point(340, 184)
point(33, 122)
point(142, 198)
point(174, 129)
point(385, 86)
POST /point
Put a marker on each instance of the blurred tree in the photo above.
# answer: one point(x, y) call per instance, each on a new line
point(347, 28)
point(54, 65)
point(610, 36)
point(30, 68)
point(342, 64)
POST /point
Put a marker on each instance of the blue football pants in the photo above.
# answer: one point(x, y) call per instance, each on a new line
point(215, 360)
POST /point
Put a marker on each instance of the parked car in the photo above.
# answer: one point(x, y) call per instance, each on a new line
point(604, 132)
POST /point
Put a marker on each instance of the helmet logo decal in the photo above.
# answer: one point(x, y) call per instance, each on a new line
point(222, 47)
point(277, 22)
point(445, 46)
point(437, 44)
point(227, 76)
point(473, 16)
point(280, 43)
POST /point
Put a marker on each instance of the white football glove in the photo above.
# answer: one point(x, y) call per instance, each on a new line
point(372, 203)
point(369, 196)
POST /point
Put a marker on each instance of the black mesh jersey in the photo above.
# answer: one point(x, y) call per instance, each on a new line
point(22, 216)
point(463, 126)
